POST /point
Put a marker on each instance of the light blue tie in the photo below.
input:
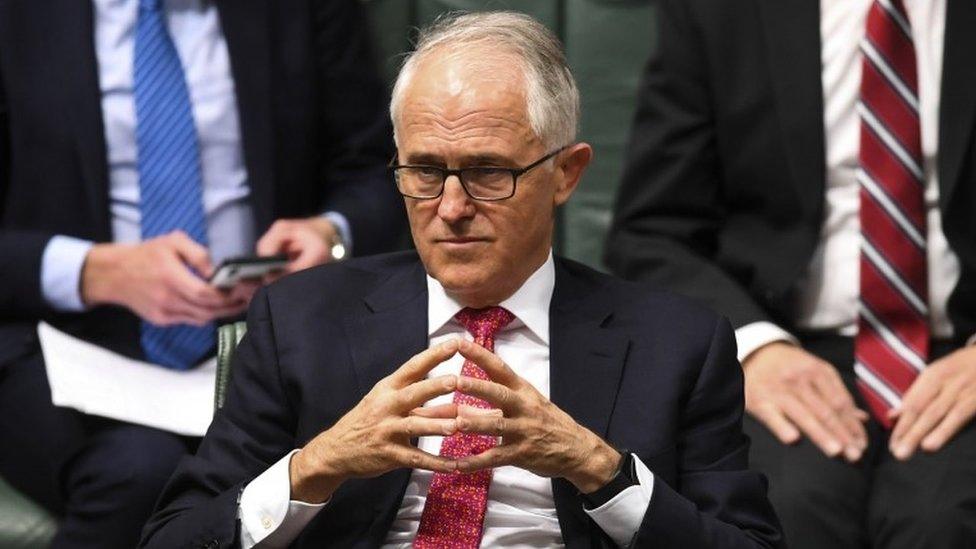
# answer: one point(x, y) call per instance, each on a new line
point(169, 171)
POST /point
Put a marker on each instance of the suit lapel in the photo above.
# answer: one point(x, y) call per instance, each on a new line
point(246, 27)
point(792, 33)
point(957, 105)
point(73, 56)
point(391, 328)
point(586, 362)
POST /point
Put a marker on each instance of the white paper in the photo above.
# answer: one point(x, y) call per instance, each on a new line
point(99, 382)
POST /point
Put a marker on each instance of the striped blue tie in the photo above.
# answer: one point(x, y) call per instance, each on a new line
point(169, 171)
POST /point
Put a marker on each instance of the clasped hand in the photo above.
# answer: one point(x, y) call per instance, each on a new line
point(375, 436)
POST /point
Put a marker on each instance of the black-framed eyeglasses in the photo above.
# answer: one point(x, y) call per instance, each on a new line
point(488, 183)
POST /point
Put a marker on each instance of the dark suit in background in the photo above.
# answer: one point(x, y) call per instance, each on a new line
point(723, 200)
point(315, 137)
point(645, 370)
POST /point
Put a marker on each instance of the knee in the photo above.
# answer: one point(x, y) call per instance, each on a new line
point(143, 469)
point(129, 467)
point(913, 523)
point(796, 498)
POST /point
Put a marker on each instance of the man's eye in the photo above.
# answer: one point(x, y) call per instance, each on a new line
point(489, 175)
point(428, 173)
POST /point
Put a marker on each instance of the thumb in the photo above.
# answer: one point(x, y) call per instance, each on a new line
point(193, 254)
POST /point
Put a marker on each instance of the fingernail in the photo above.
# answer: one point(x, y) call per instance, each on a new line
point(834, 448)
point(852, 453)
point(901, 451)
point(451, 427)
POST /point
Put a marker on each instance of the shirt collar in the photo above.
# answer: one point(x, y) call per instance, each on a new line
point(529, 304)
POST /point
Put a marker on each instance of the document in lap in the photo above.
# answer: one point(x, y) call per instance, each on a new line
point(99, 382)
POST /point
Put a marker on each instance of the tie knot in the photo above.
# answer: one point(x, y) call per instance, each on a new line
point(484, 323)
point(150, 5)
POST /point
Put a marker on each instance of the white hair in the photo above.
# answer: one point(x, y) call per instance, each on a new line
point(551, 96)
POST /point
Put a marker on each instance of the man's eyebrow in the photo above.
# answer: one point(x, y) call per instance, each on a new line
point(424, 159)
point(477, 159)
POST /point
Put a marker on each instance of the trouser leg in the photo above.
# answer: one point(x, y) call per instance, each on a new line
point(822, 502)
point(101, 477)
point(927, 501)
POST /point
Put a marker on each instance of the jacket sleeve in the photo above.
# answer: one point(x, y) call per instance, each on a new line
point(20, 268)
point(670, 210)
point(357, 136)
point(254, 429)
point(717, 501)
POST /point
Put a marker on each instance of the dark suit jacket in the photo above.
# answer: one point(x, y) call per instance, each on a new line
point(648, 371)
point(313, 119)
point(723, 194)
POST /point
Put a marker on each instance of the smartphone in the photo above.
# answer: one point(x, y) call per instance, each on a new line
point(235, 269)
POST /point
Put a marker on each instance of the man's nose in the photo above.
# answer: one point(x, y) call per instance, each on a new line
point(455, 203)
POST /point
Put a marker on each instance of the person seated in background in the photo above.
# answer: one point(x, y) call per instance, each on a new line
point(141, 142)
point(550, 404)
point(806, 169)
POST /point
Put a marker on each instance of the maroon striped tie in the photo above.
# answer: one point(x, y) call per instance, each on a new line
point(892, 343)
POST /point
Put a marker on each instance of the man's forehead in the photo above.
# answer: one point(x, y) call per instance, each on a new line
point(450, 95)
point(457, 82)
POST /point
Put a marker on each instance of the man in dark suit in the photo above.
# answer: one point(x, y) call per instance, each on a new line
point(806, 169)
point(140, 144)
point(346, 422)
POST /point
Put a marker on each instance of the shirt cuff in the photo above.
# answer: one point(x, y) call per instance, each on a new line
point(61, 265)
point(341, 225)
point(268, 515)
point(622, 516)
point(751, 337)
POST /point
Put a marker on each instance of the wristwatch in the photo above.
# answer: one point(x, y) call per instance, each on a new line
point(337, 247)
point(625, 477)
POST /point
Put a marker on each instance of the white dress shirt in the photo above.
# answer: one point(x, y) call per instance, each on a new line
point(828, 293)
point(194, 26)
point(521, 511)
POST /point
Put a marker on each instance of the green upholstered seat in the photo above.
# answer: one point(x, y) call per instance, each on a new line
point(228, 336)
point(23, 524)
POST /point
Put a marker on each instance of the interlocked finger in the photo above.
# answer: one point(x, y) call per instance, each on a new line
point(446, 411)
point(408, 456)
point(416, 394)
point(498, 456)
point(422, 363)
point(498, 395)
point(496, 425)
point(494, 366)
point(414, 426)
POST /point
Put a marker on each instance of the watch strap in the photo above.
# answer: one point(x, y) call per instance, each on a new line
point(625, 477)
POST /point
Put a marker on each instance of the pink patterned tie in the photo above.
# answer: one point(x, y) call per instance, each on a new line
point(454, 514)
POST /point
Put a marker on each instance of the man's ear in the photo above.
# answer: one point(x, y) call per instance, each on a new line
point(570, 165)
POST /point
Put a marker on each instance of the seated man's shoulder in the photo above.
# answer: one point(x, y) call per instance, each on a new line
point(342, 284)
point(646, 306)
